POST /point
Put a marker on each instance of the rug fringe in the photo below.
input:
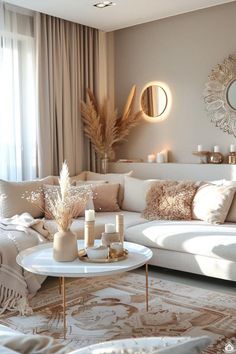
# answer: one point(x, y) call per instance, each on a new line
point(11, 300)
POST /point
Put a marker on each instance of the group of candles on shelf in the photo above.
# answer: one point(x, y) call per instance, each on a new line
point(160, 157)
point(112, 241)
point(216, 156)
point(216, 148)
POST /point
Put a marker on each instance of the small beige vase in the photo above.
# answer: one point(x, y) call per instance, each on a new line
point(65, 246)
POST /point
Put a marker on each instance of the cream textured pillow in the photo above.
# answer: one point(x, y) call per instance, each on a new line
point(169, 200)
point(51, 192)
point(212, 202)
point(135, 191)
point(105, 197)
point(111, 178)
point(13, 203)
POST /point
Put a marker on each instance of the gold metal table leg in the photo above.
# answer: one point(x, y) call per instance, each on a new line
point(64, 305)
point(60, 281)
point(146, 266)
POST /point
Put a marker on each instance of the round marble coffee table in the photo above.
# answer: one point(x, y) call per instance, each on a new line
point(39, 260)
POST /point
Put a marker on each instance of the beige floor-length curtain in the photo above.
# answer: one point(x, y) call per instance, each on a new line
point(67, 63)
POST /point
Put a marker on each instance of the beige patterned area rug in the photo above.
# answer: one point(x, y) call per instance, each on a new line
point(108, 308)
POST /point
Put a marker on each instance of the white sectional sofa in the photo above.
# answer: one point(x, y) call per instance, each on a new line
point(193, 246)
point(190, 246)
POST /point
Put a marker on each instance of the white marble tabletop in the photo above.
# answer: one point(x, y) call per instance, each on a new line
point(39, 260)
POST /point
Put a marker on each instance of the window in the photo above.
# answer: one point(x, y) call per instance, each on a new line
point(17, 96)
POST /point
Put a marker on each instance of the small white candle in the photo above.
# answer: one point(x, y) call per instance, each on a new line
point(232, 148)
point(160, 157)
point(151, 158)
point(110, 228)
point(89, 215)
point(199, 148)
point(216, 148)
point(165, 154)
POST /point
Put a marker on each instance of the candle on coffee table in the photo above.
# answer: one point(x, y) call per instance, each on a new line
point(89, 215)
point(110, 228)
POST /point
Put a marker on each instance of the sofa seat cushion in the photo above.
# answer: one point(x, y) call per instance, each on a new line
point(195, 237)
point(102, 218)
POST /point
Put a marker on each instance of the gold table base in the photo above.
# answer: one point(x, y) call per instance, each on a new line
point(62, 291)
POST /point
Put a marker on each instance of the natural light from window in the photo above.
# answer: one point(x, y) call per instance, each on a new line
point(17, 101)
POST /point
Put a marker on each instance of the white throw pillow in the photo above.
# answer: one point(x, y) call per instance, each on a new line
point(212, 202)
point(12, 202)
point(112, 178)
point(231, 216)
point(135, 191)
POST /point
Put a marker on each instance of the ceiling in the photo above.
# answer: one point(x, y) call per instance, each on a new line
point(126, 12)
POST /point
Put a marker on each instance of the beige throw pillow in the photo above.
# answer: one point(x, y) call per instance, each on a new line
point(135, 192)
point(78, 193)
point(89, 204)
point(105, 197)
point(169, 200)
point(212, 202)
point(111, 178)
point(13, 203)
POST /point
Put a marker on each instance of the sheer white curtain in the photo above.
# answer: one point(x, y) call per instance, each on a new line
point(17, 95)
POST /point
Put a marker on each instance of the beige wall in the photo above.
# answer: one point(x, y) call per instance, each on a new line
point(179, 51)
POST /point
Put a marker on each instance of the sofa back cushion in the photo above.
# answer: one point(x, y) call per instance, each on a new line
point(111, 178)
point(168, 200)
point(12, 201)
point(212, 202)
point(135, 191)
point(73, 179)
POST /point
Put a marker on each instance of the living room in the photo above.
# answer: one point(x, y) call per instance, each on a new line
point(117, 176)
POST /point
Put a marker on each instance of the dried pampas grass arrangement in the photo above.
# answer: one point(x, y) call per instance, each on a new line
point(103, 126)
point(62, 203)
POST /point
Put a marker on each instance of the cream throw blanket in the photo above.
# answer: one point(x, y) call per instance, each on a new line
point(16, 284)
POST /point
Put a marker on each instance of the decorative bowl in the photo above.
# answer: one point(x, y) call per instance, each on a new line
point(97, 252)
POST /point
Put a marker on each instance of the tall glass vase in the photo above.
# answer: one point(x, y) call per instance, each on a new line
point(104, 164)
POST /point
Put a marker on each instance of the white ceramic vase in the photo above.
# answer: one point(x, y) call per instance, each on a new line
point(65, 246)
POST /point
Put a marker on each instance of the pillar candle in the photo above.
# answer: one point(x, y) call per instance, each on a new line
point(165, 154)
point(160, 157)
point(216, 148)
point(199, 148)
point(120, 226)
point(110, 228)
point(89, 215)
point(151, 158)
point(232, 148)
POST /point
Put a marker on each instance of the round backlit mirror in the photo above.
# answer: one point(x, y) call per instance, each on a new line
point(153, 101)
point(231, 94)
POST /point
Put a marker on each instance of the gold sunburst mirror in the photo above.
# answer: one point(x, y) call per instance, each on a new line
point(220, 95)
